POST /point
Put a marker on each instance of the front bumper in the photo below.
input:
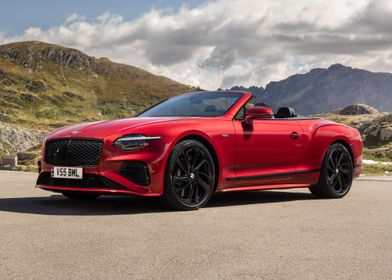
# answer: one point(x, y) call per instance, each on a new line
point(91, 182)
point(109, 177)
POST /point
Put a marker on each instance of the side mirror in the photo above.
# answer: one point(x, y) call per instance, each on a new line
point(258, 113)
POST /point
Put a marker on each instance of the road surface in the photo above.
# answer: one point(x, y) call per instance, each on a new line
point(255, 235)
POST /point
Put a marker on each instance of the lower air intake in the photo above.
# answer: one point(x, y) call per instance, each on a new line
point(136, 171)
point(89, 181)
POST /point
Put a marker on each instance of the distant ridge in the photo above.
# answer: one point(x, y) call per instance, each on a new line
point(324, 90)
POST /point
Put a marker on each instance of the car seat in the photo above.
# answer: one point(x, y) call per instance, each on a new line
point(210, 109)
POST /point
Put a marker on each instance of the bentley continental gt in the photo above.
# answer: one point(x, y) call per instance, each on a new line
point(190, 146)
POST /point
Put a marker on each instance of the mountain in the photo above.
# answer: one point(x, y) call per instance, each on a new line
point(45, 86)
point(324, 90)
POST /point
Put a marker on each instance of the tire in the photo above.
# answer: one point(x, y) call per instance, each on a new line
point(336, 173)
point(80, 196)
point(189, 176)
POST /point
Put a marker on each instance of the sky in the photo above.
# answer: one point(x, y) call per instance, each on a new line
point(212, 44)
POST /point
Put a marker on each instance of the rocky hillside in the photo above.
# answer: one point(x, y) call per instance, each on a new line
point(45, 86)
point(375, 128)
point(323, 90)
point(15, 139)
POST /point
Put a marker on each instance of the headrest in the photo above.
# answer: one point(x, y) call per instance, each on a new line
point(210, 109)
point(285, 112)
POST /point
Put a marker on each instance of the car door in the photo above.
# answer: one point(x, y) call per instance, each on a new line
point(269, 147)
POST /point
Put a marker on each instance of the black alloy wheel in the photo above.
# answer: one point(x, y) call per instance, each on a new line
point(336, 175)
point(190, 176)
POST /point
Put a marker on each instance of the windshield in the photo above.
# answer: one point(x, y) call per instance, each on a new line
point(198, 104)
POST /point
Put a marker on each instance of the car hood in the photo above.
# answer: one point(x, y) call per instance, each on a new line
point(104, 129)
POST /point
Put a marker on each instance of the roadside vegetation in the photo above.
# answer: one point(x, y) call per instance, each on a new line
point(376, 130)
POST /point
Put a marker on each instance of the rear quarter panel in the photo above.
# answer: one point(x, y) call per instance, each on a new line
point(318, 135)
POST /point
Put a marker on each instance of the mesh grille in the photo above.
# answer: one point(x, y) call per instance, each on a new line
point(73, 152)
point(89, 181)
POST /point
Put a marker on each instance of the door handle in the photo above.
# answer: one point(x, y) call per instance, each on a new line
point(294, 135)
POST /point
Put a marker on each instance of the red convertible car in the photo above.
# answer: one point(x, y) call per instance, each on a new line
point(188, 147)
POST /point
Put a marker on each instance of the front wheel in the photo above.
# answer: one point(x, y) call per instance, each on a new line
point(189, 176)
point(336, 174)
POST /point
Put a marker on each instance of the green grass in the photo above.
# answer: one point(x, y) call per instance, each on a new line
point(377, 169)
point(6, 148)
point(382, 153)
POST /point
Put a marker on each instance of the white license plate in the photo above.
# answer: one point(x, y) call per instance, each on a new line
point(67, 172)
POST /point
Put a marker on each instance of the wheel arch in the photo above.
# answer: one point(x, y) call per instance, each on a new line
point(322, 138)
point(348, 147)
point(210, 148)
point(323, 189)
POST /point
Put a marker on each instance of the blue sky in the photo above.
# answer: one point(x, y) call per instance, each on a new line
point(17, 15)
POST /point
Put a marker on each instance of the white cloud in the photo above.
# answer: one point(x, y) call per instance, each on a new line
point(74, 17)
point(248, 42)
point(2, 37)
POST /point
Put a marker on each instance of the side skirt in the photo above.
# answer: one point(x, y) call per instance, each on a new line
point(283, 174)
point(266, 187)
point(299, 179)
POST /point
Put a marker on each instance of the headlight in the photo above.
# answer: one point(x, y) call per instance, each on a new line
point(134, 141)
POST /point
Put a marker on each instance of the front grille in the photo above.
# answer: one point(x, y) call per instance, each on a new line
point(73, 152)
point(89, 181)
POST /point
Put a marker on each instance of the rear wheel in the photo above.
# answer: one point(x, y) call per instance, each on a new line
point(189, 176)
point(80, 196)
point(336, 174)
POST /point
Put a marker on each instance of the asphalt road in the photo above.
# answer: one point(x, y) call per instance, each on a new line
point(253, 235)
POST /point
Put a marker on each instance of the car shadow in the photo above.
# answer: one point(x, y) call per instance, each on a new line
point(124, 205)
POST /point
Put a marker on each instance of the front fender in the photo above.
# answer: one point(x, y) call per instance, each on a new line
point(219, 133)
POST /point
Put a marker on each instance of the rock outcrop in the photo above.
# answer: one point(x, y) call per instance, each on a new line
point(357, 109)
point(15, 139)
point(377, 130)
